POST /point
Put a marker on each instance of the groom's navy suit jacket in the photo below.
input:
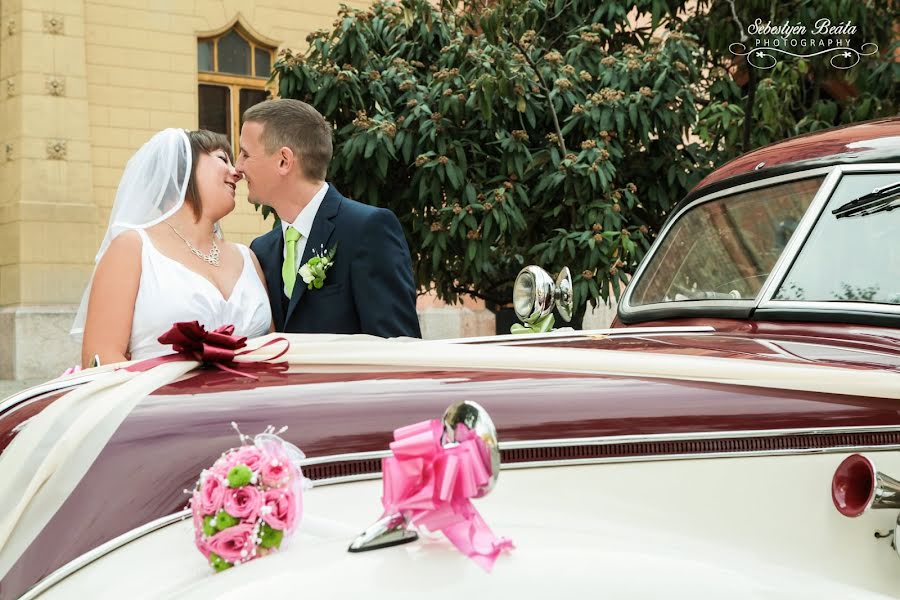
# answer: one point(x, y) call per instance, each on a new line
point(368, 289)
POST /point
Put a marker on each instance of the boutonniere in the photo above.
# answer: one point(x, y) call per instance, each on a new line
point(315, 269)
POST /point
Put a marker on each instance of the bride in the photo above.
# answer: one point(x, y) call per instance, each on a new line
point(162, 261)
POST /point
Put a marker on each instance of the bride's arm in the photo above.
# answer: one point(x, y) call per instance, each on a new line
point(107, 328)
point(262, 278)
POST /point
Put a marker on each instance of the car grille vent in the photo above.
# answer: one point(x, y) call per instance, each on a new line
point(645, 450)
point(786, 443)
point(348, 468)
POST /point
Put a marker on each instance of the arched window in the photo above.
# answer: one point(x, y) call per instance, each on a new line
point(234, 64)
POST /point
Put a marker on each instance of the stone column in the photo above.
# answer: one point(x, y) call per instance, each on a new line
point(48, 217)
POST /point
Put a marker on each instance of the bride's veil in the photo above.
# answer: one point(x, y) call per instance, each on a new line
point(151, 190)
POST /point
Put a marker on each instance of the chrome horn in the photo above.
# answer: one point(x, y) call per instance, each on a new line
point(857, 486)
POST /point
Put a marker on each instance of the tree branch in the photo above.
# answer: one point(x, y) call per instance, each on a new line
point(483, 295)
point(738, 21)
point(748, 107)
point(543, 84)
point(751, 84)
point(553, 18)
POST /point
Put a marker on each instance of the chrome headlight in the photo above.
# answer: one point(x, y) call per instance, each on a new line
point(535, 294)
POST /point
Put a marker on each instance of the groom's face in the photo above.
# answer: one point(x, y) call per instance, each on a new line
point(259, 168)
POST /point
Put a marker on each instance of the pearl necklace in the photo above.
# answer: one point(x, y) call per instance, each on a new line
point(213, 256)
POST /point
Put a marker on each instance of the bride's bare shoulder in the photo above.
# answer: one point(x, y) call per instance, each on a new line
point(126, 244)
point(121, 261)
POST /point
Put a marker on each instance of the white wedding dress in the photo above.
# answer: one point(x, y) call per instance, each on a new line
point(170, 292)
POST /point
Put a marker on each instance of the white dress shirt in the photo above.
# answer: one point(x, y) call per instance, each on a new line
point(303, 223)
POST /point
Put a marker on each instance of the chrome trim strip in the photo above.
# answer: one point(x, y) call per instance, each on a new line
point(571, 333)
point(90, 556)
point(841, 307)
point(129, 536)
point(743, 303)
point(349, 479)
point(43, 388)
point(625, 305)
point(352, 456)
point(692, 436)
point(662, 457)
point(795, 244)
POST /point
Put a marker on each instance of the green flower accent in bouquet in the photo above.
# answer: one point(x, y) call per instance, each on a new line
point(208, 527)
point(315, 269)
point(270, 538)
point(239, 475)
point(224, 520)
point(218, 563)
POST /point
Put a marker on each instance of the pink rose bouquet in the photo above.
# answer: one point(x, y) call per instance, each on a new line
point(249, 501)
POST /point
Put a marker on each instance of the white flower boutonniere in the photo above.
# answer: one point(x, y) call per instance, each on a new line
point(315, 269)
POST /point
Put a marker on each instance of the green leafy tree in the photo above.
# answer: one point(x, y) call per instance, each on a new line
point(557, 132)
point(796, 95)
point(522, 132)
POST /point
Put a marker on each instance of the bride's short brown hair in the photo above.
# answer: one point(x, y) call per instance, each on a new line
point(202, 142)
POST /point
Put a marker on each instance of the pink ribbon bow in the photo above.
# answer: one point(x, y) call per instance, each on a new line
point(219, 348)
point(432, 486)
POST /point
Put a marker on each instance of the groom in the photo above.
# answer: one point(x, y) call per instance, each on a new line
point(365, 284)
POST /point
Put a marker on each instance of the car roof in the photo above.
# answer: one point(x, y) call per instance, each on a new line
point(876, 141)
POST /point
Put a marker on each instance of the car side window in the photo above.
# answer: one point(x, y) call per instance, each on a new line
point(851, 259)
point(724, 249)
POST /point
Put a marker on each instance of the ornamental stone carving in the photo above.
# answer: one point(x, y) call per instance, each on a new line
point(10, 87)
point(56, 85)
point(11, 27)
point(9, 152)
point(54, 24)
point(56, 150)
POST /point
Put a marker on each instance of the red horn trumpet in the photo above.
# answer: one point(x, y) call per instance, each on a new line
point(857, 486)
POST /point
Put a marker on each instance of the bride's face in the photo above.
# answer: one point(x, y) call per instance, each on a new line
point(216, 183)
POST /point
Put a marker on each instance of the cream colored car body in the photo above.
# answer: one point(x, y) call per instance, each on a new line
point(759, 527)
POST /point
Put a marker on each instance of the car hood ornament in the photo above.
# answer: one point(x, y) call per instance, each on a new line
point(437, 467)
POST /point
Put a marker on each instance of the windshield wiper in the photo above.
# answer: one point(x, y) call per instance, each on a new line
point(885, 198)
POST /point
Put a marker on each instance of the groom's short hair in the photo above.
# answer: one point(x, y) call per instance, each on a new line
point(298, 126)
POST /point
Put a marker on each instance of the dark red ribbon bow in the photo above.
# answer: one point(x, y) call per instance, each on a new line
point(218, 348)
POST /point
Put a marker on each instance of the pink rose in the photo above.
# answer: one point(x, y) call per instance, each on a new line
point(281, 509)
point(234, 543)
point(245, 455)
point(276, 469)
point(243, 502)
point(202, 544)
point(212, 494)
point(195, 507)
point(221, 467)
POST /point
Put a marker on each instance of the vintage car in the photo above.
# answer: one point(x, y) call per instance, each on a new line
point(726, 438)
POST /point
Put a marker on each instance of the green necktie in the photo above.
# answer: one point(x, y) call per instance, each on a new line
point(289, 269)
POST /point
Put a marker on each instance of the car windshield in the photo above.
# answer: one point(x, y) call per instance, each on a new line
point(724, 249)
point(851, 259)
